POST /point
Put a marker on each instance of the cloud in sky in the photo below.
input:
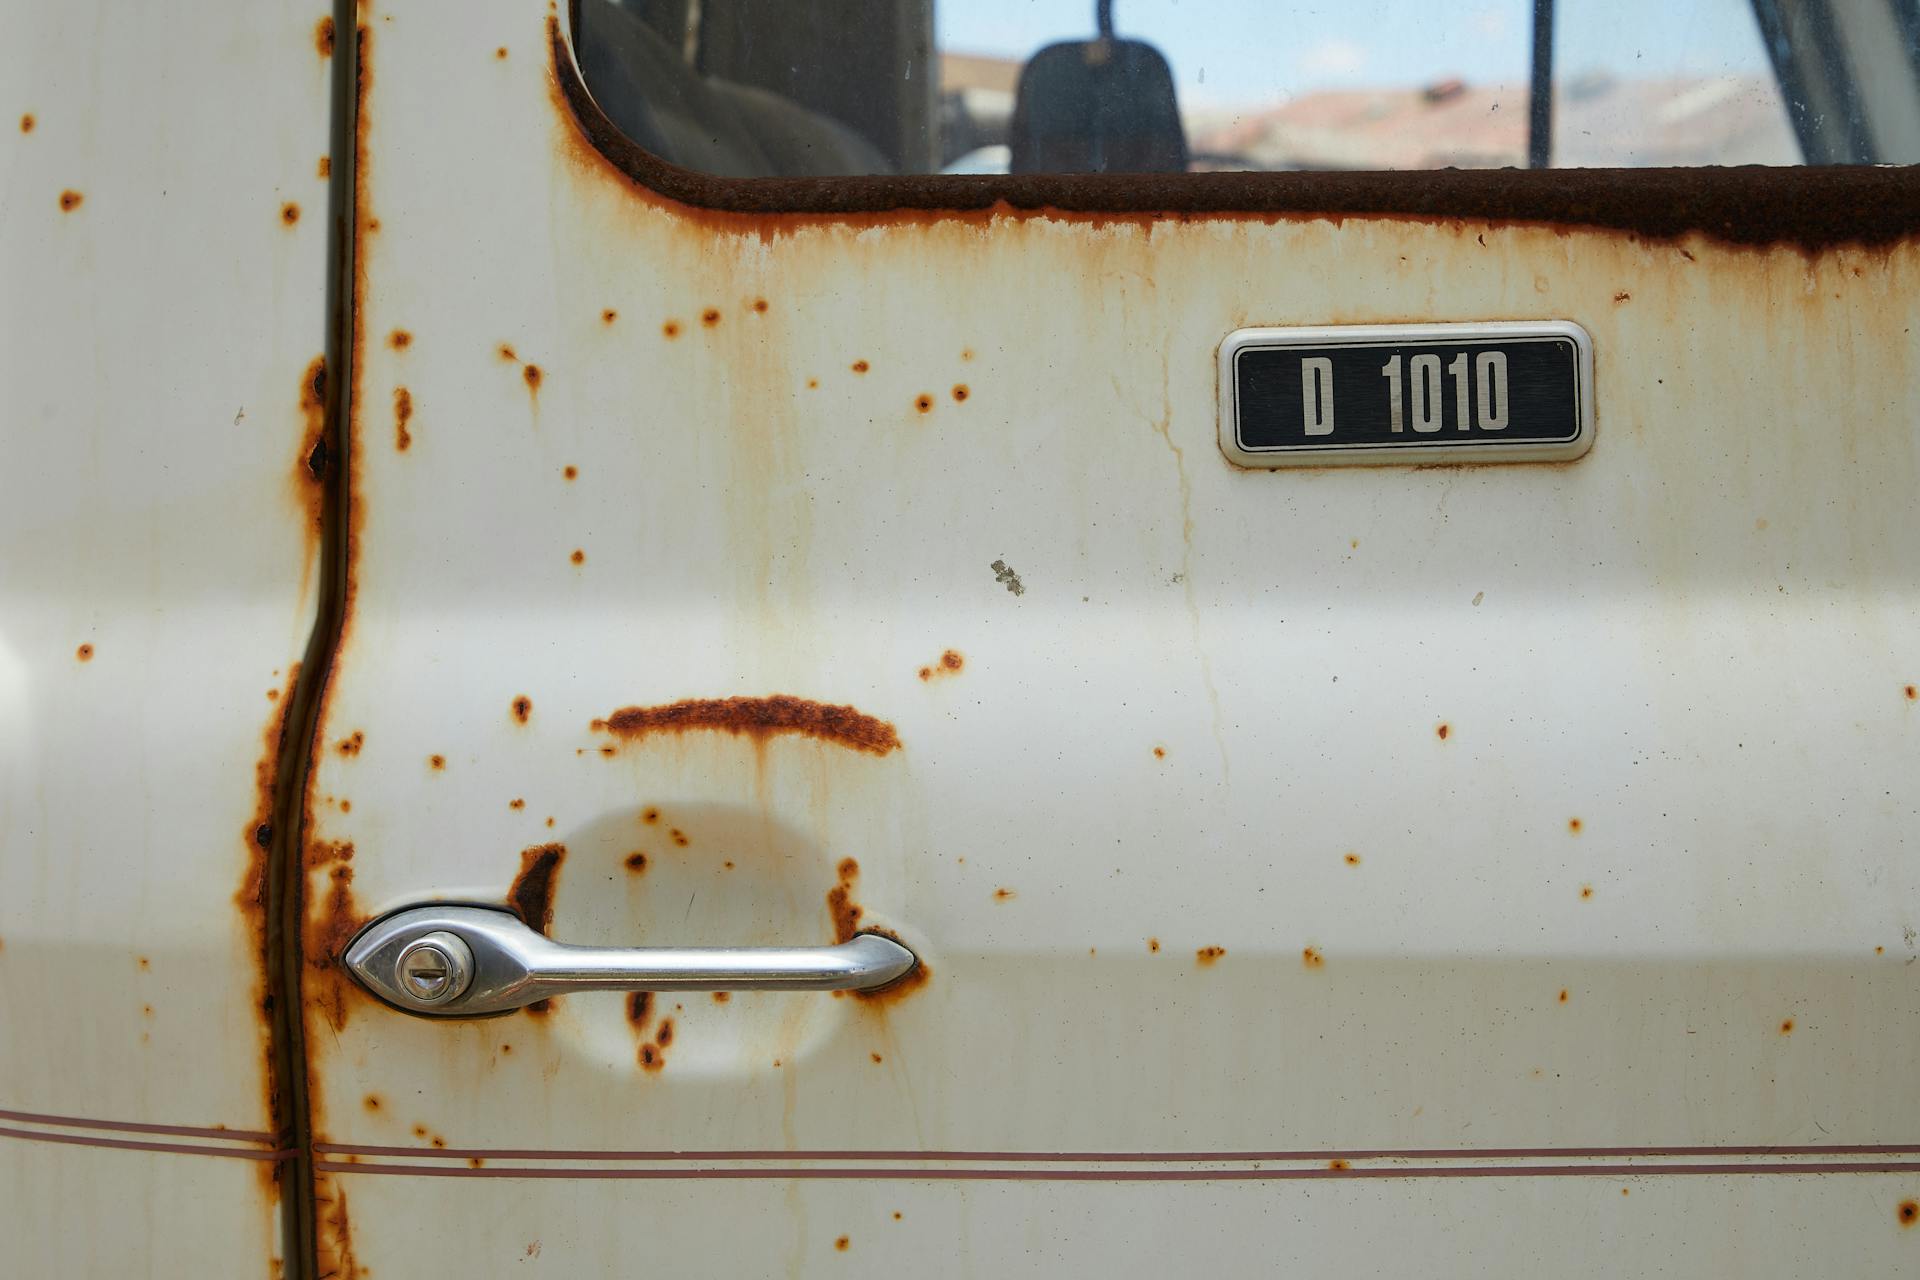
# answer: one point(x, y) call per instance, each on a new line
point(1335, 58)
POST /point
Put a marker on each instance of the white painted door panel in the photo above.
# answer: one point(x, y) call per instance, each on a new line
point(1288, 851)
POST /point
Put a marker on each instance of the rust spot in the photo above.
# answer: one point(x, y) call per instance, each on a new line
point(531, 896)
point(1623, 296)
point(721, 997)
point(847, 916)
point(1442, 731)
point(518, 802)
point(436, 762)
point(639, 1008)
point(651, 1058)
point(508, 354)
point(1311, 958)
point(960, 391)
point(323, 37)
point(896, 1215)
point(522, 708)
point(760, 305)
point(710, 317)
point(842, 1244)
point(325, 168)
point(1352, 859)
point(326, 988)
point(1207, 955)
point(1786, 1026)
point(1908, 1212)
point(923, 402)
point(609, 316)
point(1574, 826)
point(372, 1102)
point(351, 744)
point(142, 963)
point(860, 366)
point(1153, 944)
point(26, 123)
point(1913, 693)
point(578, 556)
point(678, 836)
point(1563, 995)
point(950, 663)
point(758, 718)
point(845, 911)
point(1337, 1164)
point(671, 329)
point(1002, 894)
point(813, 384)
point(636, 862)
point(402, 411)
point(1159, 753)
point(289, 213)
point(313, 444)
point(532, 374)
point(501, 52)
point(650, 815)
point(663, 1035)
point(84, 653)
point(1586, 891)
point(399, 339)
point(70, 200)
point(570, 472)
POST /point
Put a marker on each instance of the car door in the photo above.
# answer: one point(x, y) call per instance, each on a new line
point(1505, 867)
point(164, 355)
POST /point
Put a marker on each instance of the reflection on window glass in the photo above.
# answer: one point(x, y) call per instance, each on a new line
point(745, 88)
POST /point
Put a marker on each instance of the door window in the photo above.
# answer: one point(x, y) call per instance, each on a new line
point(748, 88)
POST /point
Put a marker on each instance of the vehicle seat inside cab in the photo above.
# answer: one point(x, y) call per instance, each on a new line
point(703, 122)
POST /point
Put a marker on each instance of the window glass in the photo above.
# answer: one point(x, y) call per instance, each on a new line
point(744, 88)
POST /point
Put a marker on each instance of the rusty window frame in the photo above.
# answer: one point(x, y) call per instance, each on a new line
point(1808, 207)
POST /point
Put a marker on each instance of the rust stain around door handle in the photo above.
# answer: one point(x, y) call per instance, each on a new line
point(471, 962)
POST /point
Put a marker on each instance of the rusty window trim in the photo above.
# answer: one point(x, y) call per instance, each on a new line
point(1809, 207)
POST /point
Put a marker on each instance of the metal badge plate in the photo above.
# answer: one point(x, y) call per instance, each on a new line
point(1500, 391)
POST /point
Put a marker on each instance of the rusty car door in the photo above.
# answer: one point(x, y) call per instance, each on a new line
point(164, 334)
point(1508, 867)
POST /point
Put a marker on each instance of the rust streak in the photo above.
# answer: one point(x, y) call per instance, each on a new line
point(402, 413)
point(758, 718)
point(531, 896)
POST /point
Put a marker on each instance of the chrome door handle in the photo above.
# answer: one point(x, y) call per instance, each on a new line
point(468, 962)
